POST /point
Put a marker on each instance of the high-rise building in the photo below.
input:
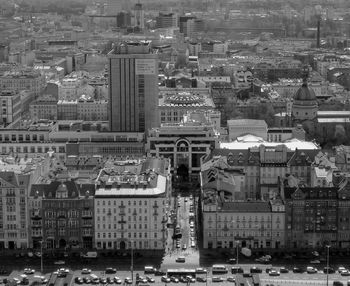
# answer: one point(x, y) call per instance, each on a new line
point(133, 87)
point(166, 20)
point(139, 16)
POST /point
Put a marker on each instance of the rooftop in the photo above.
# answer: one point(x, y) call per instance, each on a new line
point(250, 141)
point(246, 122)
point(136, 177)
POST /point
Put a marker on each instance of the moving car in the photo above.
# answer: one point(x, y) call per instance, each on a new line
point(59, 262)
point(236, 269)
point(28, 271)
point(85, 271)
point(274, 272)
point(201, 279)
point(180, 259)
point(284, 270)
point(255, 270)
point(201, 270)
point(311, 270)
point(110, 270)
point(231, 279)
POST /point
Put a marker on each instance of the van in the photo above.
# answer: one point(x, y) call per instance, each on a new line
point(149, 270)
point(90, 254)
point(219, 269)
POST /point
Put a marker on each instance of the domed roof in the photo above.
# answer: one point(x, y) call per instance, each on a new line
point(62, 188)
point(305, 93)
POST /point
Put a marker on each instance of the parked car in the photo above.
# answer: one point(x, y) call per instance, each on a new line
point(190, 279)
point(315, 261)
point(201, 279)
point(150, 279)
point(159, 272)
point(78, 280)
point(236, 269)
point(117, 280)
point(231, 279)
point(165, 279)
point(103, 280)
point(59, 262)
point(174, 279)
point(87, 280)
point(128, 280)
point(217, 279)
point(345, 272)
point(338, 283)
point(110, 280)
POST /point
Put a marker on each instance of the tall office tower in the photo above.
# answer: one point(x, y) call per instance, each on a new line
point(113, 7)
point(133, 87)
point(139, 16)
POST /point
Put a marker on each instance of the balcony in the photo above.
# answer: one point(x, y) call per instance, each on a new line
point(122, 221)
point(122, 206)
point(37, 235)
point(155, 213)
point(155, 206)
point(87, 225)
point(122, 213)
point(87, 234)
point(61, 215)
point(37, 225)
point(36, 217)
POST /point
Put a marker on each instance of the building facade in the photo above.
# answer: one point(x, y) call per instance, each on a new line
point(130, 205)
point(184, 144)
point(62, 215)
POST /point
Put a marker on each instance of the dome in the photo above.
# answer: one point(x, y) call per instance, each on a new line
point(62, 188)
point(305, 93)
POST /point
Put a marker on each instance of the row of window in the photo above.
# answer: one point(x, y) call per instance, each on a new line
point(115, 226)
point(110, 235)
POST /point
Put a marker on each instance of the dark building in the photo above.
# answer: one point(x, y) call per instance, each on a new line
point(133, 87)
point(318, 216)
point(62, 215)
point(123, 19)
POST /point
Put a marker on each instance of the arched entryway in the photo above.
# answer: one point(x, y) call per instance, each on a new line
point(62, 243)
point(182, 172)
point(122, 245)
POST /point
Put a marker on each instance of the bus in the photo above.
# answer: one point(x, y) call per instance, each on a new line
point(181, 272)
point(219, 269)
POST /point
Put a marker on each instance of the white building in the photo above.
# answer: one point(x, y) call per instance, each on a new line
point(131, 204)
point(240, 127)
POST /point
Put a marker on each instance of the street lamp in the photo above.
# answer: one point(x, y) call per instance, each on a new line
point(41, 258)
point(237, 244)
point(327, 246)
